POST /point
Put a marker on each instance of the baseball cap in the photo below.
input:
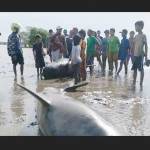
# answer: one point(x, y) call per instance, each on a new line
point(58, 28)
point(124, 31)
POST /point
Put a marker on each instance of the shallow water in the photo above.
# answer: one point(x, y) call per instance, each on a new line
point(113, 98)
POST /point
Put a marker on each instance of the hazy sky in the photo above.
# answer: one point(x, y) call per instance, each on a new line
point(68, 20)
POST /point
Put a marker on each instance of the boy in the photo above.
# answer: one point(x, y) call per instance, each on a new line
point(99, 35)
point(75, 57)
point(14, 49)
point(140, 42)
point(131, 42)
point(83, 55)
point(91, 50)
point(114, 44)
point(105, 49)
point(38, 54)
point(123, 51)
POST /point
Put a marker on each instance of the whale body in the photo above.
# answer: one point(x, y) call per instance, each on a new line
point(61, 115)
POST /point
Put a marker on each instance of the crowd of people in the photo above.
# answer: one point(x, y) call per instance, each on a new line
point(81, 52)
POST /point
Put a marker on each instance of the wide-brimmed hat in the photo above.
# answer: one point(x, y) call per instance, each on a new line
point(15, 27)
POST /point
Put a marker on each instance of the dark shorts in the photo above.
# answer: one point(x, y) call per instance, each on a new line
point(137, 63)
point(17, 58)
point(39, 63)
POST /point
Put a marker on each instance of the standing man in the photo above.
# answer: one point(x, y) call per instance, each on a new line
point(140, 42)
point(49, 44)
point(91, 50)
point(82, 34)
point(123, 51)
point(114, 45)
point(14, 49)
point(99, 35)
point(105, 42)
point(62, 40)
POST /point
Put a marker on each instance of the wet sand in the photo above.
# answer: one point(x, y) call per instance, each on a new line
point(113, 98)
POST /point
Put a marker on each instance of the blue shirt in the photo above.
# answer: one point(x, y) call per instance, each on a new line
point(105, 45)
point(13, 44)
point(123, 50)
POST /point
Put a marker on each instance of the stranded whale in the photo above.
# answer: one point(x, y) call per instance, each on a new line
point(63, 116)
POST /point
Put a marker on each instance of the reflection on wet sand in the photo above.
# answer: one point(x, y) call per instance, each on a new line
point(17, 104)
point(137, 119)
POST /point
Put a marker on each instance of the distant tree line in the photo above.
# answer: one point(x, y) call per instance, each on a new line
point(28, 36)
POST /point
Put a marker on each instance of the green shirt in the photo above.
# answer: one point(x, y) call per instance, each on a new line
point(91, 42)
point(114, 44)
point(105, 43)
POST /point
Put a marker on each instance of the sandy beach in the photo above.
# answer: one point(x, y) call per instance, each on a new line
point(126, 108)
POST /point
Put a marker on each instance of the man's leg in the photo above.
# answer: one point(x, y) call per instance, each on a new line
point(21, 69)
point(99, 59)
point(142, 72)
point(78, 73)
point(92, 65)
point(115, 58)
point(75, 74)
point(134, 76)
point(14, 62)
point(120, 68)
point(126, 66)
point(128, 59)
point(104, 61)
point(41, 69)
point(15, 70)
point(38, 71)
point(141, 77)
point(110, 62)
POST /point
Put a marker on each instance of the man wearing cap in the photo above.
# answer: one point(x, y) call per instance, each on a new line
point(105, 49)
point(114, 44)
point(123, 51)
point(131, 42)
point(14, 49)
point(61, 39)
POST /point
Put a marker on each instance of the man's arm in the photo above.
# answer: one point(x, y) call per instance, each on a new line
point(146, 48)
point(118, 41)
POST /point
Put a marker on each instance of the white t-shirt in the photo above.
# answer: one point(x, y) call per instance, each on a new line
point(75, 54)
